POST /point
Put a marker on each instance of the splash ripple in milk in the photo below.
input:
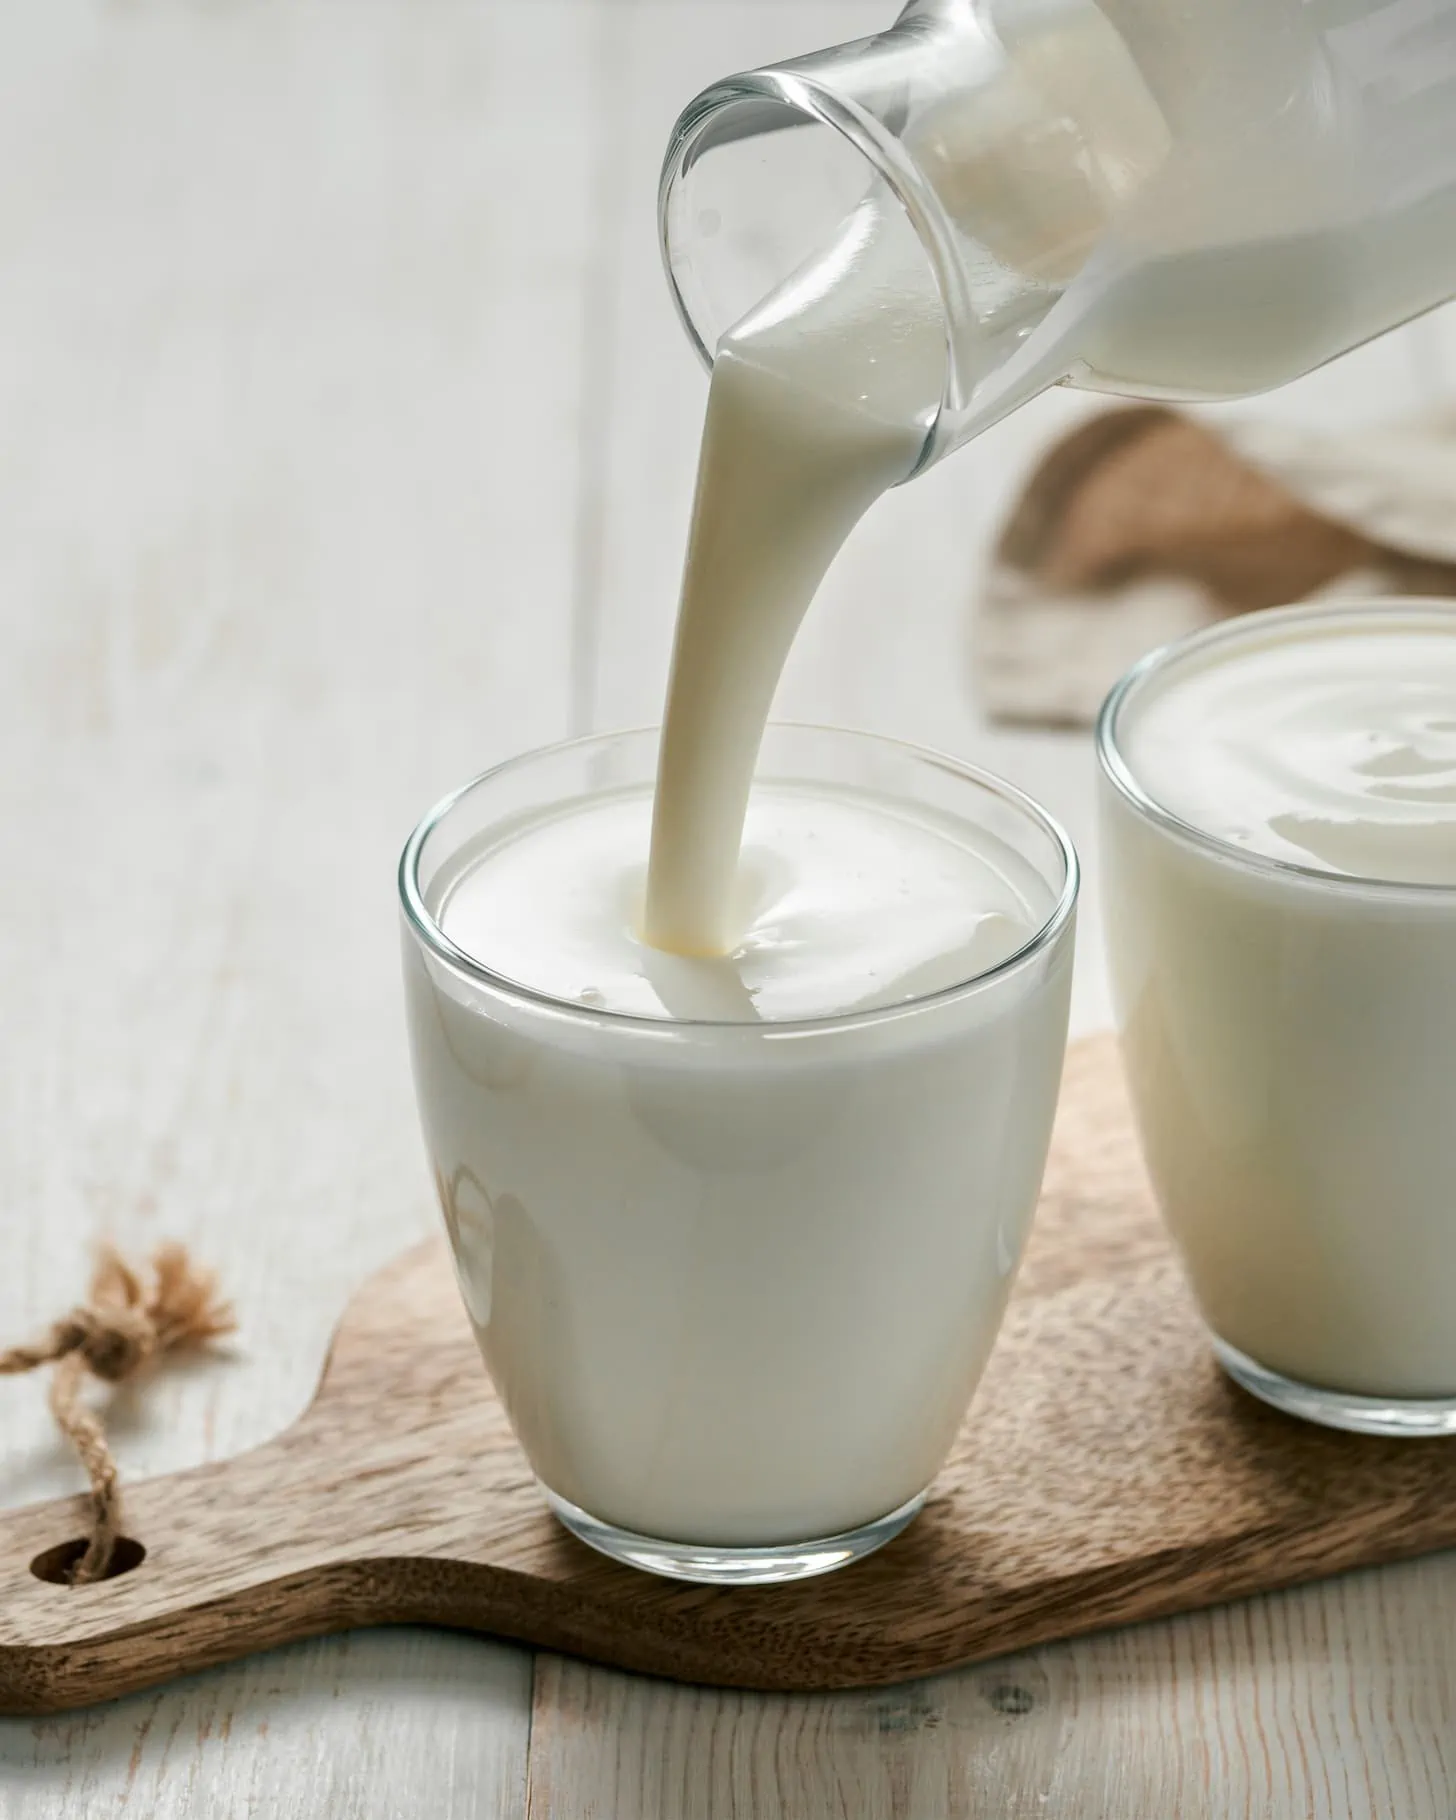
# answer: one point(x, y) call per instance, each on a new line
point(841, 902)
point(1289, 1032)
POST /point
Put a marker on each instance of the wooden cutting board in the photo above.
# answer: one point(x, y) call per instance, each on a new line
point(1107, 1473)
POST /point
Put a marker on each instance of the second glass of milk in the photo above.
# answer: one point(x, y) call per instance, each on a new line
point(1279, 862)
point(736, 1271)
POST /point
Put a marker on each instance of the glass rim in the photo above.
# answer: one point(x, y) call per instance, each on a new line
point(1119, 772)
point(820, 104)
point(427, 931)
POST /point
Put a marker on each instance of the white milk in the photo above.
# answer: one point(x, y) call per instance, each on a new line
point(736, 1280)
point(819, 401)
point(1287, 989)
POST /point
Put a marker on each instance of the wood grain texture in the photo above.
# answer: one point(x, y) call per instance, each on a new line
point(360, 1727)
point(1331, 1703)
point(1107, 1473)
point(281, 361)
point(270, 583)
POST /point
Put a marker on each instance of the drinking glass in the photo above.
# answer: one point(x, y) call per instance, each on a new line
point(1288, 1040)
point(736, 1281)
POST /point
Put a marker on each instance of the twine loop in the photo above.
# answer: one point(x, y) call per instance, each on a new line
point(129, 1320)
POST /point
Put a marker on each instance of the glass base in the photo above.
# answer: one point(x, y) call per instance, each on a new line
point(1412, 1417)
point(706, 1566)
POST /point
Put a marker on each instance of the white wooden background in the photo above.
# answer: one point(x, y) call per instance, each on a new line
point(345, 445)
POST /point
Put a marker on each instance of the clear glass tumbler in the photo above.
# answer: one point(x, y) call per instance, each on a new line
point(1288, 1035)
point(736, 1282)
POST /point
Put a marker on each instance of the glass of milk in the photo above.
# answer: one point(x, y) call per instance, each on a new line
point(1279, 855)
point(736, 1263)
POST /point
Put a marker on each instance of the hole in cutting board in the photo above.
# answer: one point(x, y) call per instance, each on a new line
point(57, 1564)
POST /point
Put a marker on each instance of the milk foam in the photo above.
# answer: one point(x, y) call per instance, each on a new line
point(1335, 750)
point(843, 901)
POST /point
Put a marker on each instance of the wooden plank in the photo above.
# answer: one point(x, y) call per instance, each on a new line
point(1326, 1705)
point(365, 1727)
point(278, 572)
point(290, 371)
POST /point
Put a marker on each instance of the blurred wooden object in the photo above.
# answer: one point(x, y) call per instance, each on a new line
point(1145, 492)
point(1143, 524)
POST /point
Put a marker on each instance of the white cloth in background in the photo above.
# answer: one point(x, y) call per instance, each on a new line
point(1047, 653)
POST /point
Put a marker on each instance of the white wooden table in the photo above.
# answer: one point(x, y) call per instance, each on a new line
point(345, 445)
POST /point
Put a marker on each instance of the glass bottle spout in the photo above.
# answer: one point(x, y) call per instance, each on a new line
point(998, 163)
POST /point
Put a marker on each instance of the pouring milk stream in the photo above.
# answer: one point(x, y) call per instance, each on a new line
point(1107, 204)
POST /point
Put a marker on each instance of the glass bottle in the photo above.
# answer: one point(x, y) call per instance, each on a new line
point(1185, 199)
